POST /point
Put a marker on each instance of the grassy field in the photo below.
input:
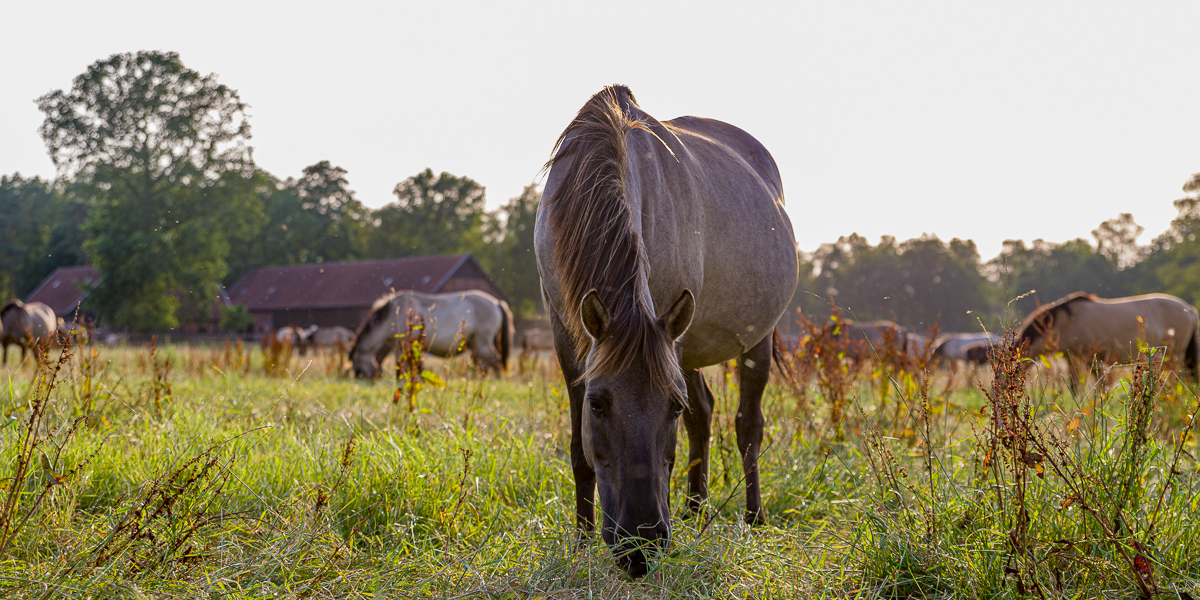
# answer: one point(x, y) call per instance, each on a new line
point(198, 472)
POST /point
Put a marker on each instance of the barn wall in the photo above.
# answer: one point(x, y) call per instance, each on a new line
point(328, 317)
point(460, 284)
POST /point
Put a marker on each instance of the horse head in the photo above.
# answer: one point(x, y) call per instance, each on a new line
point(628, 431)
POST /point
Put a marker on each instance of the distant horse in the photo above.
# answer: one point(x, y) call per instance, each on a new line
point(916, 345)
point(954, 346)
point(329, 337)
point(28, 325)
point(76, 333)
point(533, 341)
point(295, 337)
point(1111, 329)
point(455, 321)
point(872, 339)
point(646, 230)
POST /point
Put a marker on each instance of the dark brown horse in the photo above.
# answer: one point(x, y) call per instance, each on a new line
point(648, 230)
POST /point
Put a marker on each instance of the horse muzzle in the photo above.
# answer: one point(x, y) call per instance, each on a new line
point(638, 541)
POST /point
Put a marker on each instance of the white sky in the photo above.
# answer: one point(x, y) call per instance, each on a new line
point(963, 119)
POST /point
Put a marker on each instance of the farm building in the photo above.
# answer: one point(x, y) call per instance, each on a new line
point(327, 294)
point(65, 288)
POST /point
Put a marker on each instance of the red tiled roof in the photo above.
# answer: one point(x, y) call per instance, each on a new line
point(341, 285)
point(63, 290)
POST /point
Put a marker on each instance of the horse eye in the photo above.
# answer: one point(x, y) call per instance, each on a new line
point(594, 403)
point(678, 408)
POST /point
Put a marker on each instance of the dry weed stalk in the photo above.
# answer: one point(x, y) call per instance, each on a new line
point(38, 441)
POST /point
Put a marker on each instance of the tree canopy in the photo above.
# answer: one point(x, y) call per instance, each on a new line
point(158, 189)
point(164, 152)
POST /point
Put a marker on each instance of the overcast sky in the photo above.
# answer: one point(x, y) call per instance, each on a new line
point(986, 121)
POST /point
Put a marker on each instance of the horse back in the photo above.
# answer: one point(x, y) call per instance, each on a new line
point(1118, 324)
point(738, 142)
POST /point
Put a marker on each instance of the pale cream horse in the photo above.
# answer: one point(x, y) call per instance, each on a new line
point(336, 337)
point(453, 322)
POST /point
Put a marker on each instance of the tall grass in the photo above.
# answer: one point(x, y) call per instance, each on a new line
point(264, 474)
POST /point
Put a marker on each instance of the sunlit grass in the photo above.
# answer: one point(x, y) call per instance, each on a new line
point(303, 483)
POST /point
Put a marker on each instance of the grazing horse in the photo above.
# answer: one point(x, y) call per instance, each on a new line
point(27, 325)
point(952, 347)
point(455, 321)
point(1112, 329)
point(533, 341)
point(871, 339)
point(330, 337)
point(292, 336)
point(916, 345)
point(648, 230)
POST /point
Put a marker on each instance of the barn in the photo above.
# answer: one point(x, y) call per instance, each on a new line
point(65, 288)
point(328, 294)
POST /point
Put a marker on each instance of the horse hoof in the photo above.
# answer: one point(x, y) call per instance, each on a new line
point(756, 518)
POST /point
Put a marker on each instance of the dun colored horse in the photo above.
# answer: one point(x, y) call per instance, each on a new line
point(30, 326)
point(1112, 329)
point(872, 339)
point(648, 230)
point(951, 347)
point(453, 322)
point(337, 337)
point(533, 341)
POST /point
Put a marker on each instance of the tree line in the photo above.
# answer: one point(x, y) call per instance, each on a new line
point(157, 188)
point(925, 282)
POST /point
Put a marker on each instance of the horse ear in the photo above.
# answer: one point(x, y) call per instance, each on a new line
point(594, 315)
point(679, 316)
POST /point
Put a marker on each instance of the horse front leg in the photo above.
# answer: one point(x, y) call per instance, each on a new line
point(698, 420)
point(585, 476)
point(754, 368)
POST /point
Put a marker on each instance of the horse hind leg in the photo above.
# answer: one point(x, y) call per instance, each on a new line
point(754, 368)
point(698, 420)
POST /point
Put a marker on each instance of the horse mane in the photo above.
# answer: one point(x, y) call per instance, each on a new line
point(10, 305)
point(377, 314)
point(596, 243)
point(1045, 315)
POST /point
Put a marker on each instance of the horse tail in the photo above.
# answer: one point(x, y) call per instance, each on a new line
point(504, 337)
point(1192, 355)
point(777, 351)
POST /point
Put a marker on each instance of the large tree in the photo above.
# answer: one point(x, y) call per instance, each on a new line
point(921, 283)
point(1044, 272)
point(39, 232)
point(432, 214)
point(512, 262)
point(165, 153)
point(315, 218)
point(1172, 262)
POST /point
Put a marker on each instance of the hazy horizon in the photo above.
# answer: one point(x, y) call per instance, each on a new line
point(988, 123)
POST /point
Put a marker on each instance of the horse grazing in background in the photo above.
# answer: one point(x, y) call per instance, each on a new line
point(454, 322)
point(335, 337)
point(295, 337)
point(970, 347)
point(30, 326)
point(1111, 330)
point(648, 230)
point(916, 345)
point(533, 341)
point(872, 339)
